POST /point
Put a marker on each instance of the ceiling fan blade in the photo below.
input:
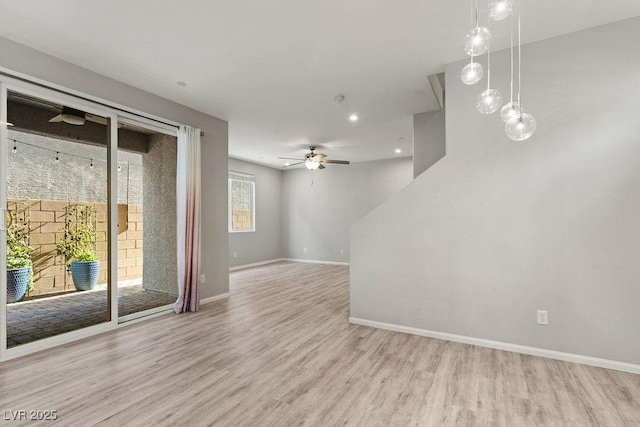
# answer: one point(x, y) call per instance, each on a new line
point(321, 166)
point(293, 164)
point(339, 162)
point(289, 158)
point(71, 116)
point(73, 119)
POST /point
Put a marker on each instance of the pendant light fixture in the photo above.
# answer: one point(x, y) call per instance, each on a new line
point(472, 72)
point(478, 39)
point(489, 100)
point(523, 125)
point(512, 109)
point(500, 9)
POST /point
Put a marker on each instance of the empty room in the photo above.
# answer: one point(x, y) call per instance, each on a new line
point(363, 213)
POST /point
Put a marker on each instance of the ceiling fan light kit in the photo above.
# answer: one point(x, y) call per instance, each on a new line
point(313, 160)
point(312, 164)
point(519, 125)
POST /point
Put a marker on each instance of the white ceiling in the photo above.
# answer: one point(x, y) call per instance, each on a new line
point(272, 68)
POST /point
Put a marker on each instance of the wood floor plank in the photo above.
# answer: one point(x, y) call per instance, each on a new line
point(280, 351)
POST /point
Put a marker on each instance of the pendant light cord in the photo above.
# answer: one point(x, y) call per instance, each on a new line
point(519, 60)
point(472, 22)
point(474, 19)
point(489, 67)
point(511, 58)
point(476, 13)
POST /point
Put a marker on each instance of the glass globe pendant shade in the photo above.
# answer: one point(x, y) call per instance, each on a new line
point(510, 111)
point(312, 163)
point(521, 127)
point(477, 41)
point(489, 101)
point(500, 9)
point(471, 73)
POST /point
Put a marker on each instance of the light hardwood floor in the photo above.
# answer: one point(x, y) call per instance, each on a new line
point(281, 352)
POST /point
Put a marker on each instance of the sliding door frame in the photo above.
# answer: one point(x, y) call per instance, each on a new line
point(166, 130)
point(3, 219)
point(114, 113)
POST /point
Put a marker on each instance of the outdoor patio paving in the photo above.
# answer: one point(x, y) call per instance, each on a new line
point(42, 318)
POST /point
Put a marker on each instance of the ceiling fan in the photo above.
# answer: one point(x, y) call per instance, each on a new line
point(71, 116)
point(313, 160)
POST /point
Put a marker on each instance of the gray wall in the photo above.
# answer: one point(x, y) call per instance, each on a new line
point(263, 244)
point(498, 229)
point(34, 174)
point(160, 216)
point(214, 261)
point(429, 142)
point(318, 216)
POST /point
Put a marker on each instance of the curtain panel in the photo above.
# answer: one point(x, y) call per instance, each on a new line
point(188, 213)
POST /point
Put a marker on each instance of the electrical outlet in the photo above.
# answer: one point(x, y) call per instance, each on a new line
point(304, 249)
point(202, 278)
point(543, 317)
point(235, 254)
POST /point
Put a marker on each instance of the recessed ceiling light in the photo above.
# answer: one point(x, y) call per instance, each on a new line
point(398, 151)
point(287, 164)
point(181, 84)
point(353, 117)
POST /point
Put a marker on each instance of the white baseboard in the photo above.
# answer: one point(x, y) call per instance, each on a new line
point(313, 261)
point(271, 261)
point(214, 298)
point(516, 348)
point(255, 264)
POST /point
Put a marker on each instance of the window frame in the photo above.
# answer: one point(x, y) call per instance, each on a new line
point(251, 180)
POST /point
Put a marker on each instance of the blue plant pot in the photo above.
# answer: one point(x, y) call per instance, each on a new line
point(17, 283)
point(85, 274)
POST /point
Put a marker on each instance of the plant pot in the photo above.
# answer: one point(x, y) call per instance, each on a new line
point(17, 283)
point(85, 274)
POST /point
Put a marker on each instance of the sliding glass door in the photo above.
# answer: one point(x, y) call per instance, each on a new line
point(147, 159)
point(56, 239)
point(87, 217)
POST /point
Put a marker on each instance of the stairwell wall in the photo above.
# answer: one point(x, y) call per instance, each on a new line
point(429, 141)
point(497, 229)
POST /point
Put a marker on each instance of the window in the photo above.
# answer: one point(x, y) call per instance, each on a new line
point(242, 212)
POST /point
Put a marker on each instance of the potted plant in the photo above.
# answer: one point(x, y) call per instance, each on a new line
point(19, 264)
point(78, 248)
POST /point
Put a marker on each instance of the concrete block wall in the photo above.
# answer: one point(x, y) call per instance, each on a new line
point(45, 220)
point(241, 219)
point(130, 245)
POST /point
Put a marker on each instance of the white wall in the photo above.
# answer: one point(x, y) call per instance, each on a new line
point(429, 141)
point(28, 61)
point(318, 216)
point(497, 229)
point(263, 244)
